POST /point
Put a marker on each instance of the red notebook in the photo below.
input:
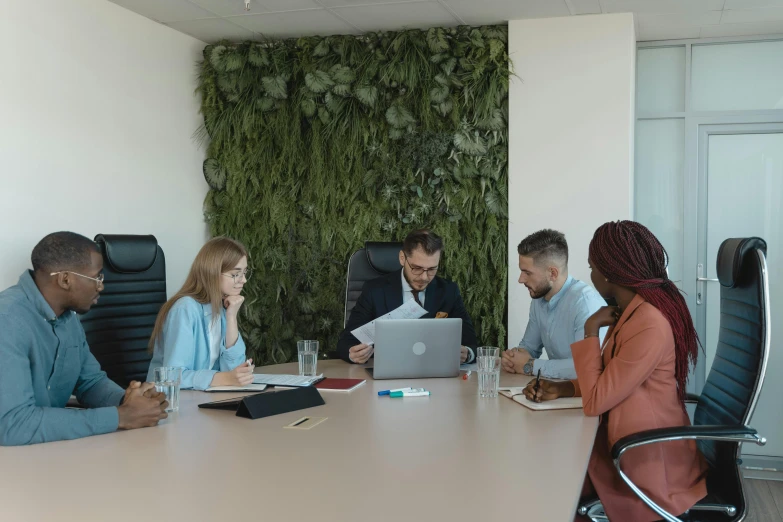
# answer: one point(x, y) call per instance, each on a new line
point(340, 385)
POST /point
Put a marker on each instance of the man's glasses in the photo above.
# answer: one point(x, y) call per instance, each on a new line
point(237, 275)
point(419, 270)
point(98, 280)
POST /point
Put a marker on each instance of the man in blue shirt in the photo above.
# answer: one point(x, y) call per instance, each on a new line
point(44, 357)
point(560, 307)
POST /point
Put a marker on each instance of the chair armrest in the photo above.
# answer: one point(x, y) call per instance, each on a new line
point(691, 398)
point(736, 433)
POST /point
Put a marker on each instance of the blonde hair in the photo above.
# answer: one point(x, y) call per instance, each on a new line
point(217, 256)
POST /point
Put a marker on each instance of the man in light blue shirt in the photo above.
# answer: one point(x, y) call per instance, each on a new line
point(560, 307)
point(44, 357)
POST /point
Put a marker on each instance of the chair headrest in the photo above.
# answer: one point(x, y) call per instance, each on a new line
point(731, 254)
point(129, 254)
point(383, 256)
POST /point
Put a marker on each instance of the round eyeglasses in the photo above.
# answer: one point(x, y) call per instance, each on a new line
point(417, 270)
point(237, 276)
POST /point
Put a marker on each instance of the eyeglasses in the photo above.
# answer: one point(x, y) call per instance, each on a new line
point(418, 270)
point(98, 280)
point(235, 276)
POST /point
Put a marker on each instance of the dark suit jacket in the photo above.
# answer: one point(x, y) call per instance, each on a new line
point(382, 295)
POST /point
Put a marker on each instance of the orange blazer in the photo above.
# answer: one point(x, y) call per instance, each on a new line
point(631, 385)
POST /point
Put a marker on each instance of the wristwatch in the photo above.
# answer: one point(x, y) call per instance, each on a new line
point(528, 368)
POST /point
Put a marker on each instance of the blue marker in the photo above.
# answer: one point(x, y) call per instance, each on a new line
point(388, 392)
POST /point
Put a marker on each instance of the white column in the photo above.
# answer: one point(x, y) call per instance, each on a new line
point(571, 136)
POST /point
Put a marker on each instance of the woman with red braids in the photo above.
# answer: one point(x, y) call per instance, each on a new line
point(636, 380)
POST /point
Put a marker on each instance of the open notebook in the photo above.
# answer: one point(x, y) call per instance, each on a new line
point(564, 403)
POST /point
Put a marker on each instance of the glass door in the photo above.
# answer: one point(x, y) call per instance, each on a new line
point(740, 194)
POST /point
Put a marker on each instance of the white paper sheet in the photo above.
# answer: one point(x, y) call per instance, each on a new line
point(249, 387)
point(410, 310)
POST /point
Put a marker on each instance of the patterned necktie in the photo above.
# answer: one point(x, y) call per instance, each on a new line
point(416, 297)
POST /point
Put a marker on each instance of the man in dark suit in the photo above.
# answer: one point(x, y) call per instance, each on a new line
point(419, 259)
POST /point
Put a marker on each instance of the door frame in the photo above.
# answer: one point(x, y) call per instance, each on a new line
point(697, 133)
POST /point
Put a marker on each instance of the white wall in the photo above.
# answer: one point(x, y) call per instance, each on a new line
point(571, 112)
point(97, 115)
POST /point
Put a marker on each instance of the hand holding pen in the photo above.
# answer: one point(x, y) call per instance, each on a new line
point(243, 373)
point(538, 390)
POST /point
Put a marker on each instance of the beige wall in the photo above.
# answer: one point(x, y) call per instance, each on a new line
point(98, 115)
point(571, 135)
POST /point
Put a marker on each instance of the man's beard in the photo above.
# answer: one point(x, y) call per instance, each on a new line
point(411, 284)
point(538, 293)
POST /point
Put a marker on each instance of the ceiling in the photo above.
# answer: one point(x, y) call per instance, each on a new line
point(212, 20)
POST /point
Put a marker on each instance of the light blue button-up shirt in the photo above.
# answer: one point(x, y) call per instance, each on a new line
point(558, 323)
point(43, 360)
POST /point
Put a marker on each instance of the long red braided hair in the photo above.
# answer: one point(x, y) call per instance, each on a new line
point(629, 255)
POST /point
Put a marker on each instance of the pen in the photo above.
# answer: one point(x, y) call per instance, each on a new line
point(538, 380)
point(388, 392)
point(466, 376)
point(300, 421)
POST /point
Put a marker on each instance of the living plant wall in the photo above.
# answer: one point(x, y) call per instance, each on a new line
point(315, 145)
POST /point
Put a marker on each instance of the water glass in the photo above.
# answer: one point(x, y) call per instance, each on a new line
point(488, 375)
point(487, 351)
point(308, 357)
point(167, 380)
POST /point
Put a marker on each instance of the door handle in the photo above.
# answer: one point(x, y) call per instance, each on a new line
point(700, 280)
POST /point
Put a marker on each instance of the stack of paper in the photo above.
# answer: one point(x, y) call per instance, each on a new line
point(286, 380)
point(248, 388)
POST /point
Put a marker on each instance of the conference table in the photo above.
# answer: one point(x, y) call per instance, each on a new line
point(450, 456)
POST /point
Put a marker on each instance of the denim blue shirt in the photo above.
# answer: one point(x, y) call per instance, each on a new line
point(43, 360)
point(185, 343)
point(558, 323)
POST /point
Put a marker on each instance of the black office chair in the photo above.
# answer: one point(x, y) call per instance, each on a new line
point(726, 404)
point(119, 327)
point(374, 260)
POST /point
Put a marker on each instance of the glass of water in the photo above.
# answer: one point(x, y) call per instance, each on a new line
point(308, 357)
point(488, 351)
point(488, 375)
point(167, 380)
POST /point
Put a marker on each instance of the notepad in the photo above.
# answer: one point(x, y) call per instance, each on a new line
point(296, 381)
point(247, 388)
point(339, 385)
point(563, 403)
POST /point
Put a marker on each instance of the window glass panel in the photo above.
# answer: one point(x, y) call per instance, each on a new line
point(658, 185)
point(738, 76)
point(660, 80)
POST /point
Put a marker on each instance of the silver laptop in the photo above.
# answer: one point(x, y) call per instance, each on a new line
point(417, 348)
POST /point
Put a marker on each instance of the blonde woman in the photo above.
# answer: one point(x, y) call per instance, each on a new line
point(197, 328)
